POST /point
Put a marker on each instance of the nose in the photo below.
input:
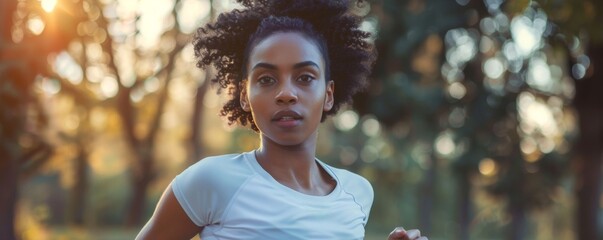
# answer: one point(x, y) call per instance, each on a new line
point(286, 95)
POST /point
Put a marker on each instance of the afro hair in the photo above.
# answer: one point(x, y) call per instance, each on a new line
point(226, 43)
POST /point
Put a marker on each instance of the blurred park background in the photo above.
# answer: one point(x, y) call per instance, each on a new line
point(484, 119)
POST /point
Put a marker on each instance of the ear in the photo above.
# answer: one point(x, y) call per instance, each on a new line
point(244, 100)
point(329, 98)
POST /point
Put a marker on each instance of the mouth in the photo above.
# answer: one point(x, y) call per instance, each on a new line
point(286, 116)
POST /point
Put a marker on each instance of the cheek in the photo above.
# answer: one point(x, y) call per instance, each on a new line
point(257, 102)
point(318, 101)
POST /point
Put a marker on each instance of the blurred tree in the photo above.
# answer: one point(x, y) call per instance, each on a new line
point(471, 100)
point(196, 147)
point(80, 167)
point(116, 57)
point(579, 32)
point(508, 146)
point(135, 73)
point(196, 142)
point(27, 32)
point(408, 88)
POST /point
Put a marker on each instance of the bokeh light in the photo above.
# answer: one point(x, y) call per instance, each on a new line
point(488, 167)
point(539, 75)
point(48, 85)
point(457, 90)
point(48, 5)
point(68, 68)
point(527, 33)
point(108, 86)
point(462, 46)
point(371, 127)
point(536, 116)
point(346, 120)
point(35, 25)
point(493, 68)
point(191, 14)
point(154, 19)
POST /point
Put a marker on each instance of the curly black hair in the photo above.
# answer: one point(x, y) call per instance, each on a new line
point(226, 44)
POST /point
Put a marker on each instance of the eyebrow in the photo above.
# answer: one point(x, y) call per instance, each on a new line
point(274, 67)
point(305, 64)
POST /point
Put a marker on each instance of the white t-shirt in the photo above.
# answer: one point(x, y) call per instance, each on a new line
point(233, 197)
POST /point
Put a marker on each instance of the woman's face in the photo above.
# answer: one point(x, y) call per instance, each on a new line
point(286, 91)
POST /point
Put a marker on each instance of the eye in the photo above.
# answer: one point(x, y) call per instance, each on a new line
point(305, 78)
point(265, 80)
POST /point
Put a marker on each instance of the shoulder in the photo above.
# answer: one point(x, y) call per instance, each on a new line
point(352, 182)
point(205, 188)
point(215, 174)
point(217, 167)
point(222, 160)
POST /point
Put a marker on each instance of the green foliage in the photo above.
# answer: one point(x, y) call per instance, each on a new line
point(484, 123)
point(576, 17)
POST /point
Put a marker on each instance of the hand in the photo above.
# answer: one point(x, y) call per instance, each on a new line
point(400, 234)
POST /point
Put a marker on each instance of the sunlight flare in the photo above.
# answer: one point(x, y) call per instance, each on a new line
point(48, 5)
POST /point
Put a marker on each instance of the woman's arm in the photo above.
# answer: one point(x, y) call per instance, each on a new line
point(169, 221)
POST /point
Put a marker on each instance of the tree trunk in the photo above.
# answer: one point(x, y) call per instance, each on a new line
point(141, 178)
point(518, 220)
point(464, 206)
point(80, 190)
point(588, 193)
point(196, 148)
point(9, 164)
point(8, 194)
point(589, 149)
point(426, 193)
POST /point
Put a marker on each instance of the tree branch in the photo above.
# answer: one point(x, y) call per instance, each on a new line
point(32, 160)
point(125, 108)
point(169, 69)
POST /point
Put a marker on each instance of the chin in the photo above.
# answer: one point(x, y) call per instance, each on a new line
point(287, 141)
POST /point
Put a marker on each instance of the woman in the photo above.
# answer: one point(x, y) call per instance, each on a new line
point(287, 65)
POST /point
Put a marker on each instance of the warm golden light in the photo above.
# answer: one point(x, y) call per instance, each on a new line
point(487, 167)
point(36, 25)
point(109, 87)
point(48, 5)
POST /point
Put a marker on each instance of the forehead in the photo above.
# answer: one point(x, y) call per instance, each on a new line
point(285, 49)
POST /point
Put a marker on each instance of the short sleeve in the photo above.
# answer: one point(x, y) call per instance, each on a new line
point(192, 189)
point(205, 189)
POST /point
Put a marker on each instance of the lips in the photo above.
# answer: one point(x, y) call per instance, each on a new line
point(286, 115)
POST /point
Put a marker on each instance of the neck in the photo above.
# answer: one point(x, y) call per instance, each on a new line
point(294, 166)
point(299, 157)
